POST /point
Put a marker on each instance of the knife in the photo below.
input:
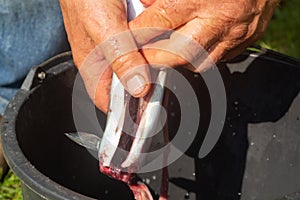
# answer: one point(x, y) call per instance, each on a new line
point(87, 140)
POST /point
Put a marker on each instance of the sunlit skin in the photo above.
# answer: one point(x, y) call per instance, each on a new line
point(224, 28)
point(89, 23)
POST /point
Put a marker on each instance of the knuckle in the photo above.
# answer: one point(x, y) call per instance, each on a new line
point(162, 19)
point(239, 32)
point(241, 11)
point(255, 29)
point(126, 62)
point(168, 3)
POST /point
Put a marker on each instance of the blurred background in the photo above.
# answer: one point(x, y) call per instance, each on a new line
point(282, 35)
point(283, 32)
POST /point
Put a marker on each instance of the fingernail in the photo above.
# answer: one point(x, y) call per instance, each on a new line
point(136, 85)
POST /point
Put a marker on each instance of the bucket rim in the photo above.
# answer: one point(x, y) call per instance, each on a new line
point(17, 161)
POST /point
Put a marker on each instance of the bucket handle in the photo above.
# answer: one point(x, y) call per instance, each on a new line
point(38, 74)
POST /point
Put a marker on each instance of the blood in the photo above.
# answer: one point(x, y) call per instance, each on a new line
point(135, 110)
point(140, 190)
point(116, 173)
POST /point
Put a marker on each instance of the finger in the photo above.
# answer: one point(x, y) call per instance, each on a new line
point(161, 54)
point(90, 62)
point(81, 44)
point(147, 3)
point(164, 15)
point(187, 45)
point(133, 72)
point(214, 56)
point(235, 51)
point(223, 41)
point(102, 93)
point(128, 63)
point(119, 49)
point(241, 47)
point(97, 77)
point(255, 34)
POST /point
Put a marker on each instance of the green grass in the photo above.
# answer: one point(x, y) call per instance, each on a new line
point(283, 32)
point(10, 189)
point(282, 35)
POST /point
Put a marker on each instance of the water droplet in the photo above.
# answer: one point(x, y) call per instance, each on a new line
point(196, 75)
point(147, 181)
point(234, 133)
point(254, 114)
point(252, 143)
point(274, 136)
point(174, 87)
point(291, 164)
point(187, 196)
point(172, 114)
point(267, 159)
point(239, 194)
point(154, 177)
point(236, 108)
point(239, 115)
point(106, 192)
point(194, 174)
point(189, 133)
point(236, 103)
point(230, 125)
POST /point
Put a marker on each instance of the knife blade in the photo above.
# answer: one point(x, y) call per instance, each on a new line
point(87, 140)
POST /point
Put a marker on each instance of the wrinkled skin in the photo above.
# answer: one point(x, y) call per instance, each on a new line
point(89, 23)
point(223, 28)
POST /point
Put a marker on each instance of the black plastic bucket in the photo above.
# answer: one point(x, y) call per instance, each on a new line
point(256, 157)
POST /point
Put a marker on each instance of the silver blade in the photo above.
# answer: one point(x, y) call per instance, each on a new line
point(87, 140)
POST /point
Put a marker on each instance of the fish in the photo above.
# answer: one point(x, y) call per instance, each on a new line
point(131, 123)
point(127, 136)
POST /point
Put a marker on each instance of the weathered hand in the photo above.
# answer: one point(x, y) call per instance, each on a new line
point(93, 22)
point(224, 28)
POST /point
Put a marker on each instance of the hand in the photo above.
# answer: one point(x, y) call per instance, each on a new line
point(91, 23)
point(223, 28)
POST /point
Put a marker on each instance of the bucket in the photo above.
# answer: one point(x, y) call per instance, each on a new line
point(256, 157)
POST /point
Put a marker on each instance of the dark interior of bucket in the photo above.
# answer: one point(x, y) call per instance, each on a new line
point(261, 89)
point(40, 127)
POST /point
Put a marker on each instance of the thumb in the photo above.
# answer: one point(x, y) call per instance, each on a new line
point(133, 72)
point(128, 63)
point(107, 26)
